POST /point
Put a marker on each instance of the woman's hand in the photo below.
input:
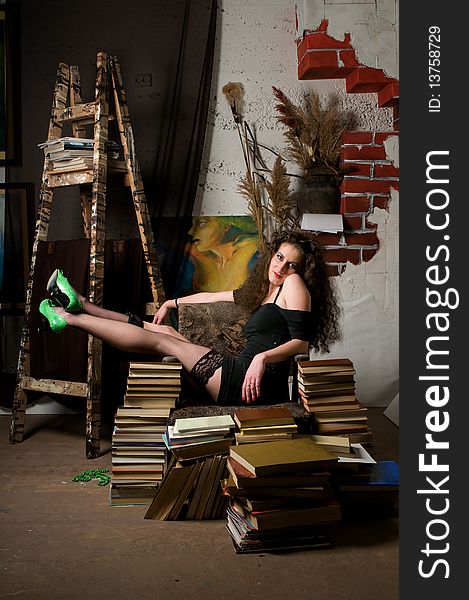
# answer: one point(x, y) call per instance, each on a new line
point(251, 389)
point(163, 312)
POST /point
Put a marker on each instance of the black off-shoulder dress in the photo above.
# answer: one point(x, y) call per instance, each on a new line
point(269, 326)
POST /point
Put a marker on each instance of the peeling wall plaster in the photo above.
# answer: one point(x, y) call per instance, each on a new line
point(373, 26)
point(391, 146)
point(370, 298)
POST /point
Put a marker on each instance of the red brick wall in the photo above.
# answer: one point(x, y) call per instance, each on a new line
point(369, 174)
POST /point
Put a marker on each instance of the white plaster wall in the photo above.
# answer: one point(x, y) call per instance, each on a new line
point(369, 295)
point(256, 46)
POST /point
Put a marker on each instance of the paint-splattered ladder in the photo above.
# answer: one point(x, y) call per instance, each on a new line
point(92, 184)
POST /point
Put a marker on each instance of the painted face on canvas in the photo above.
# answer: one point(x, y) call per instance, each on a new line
point(286, 260)
point(206, 233)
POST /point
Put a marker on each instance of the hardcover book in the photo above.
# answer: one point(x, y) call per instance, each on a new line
point(283, 456)
point(326, 365)
point(245, 479)
point(327, 511)
point(257, 417)
point(206, 423)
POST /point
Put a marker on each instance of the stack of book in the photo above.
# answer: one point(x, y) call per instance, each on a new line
point(264, 424)
point(326, 389)
point(352, 458)
point(138, 455)
point(280, 496)
point(153, 384)
point(337, 444)
point(138, 448)
point(373, 485)
point(74, 154)
point(191, 486)
point(191, 491)
point(359, 481)
point(198, 437)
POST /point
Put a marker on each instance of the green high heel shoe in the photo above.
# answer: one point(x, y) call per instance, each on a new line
point(62, 292)
point(56, 322)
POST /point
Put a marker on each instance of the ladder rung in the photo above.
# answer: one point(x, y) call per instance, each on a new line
point(78, 112)
point(11, 306)
point(71, 178)
point(54, 386)
point(79, 176)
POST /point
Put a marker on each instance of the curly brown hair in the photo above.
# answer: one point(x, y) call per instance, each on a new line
point(325, 309)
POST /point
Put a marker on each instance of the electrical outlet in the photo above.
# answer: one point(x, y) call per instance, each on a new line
point(143, 80)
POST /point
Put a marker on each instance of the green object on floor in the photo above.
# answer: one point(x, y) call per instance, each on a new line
point(99, 474)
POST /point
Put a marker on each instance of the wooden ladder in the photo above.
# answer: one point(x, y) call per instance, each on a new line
point(92, 184)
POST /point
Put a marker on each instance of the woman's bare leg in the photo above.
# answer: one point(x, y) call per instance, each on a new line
point(154, 340)
point(167, 329)
point(98, 311)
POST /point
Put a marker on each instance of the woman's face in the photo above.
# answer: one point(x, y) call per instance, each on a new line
point(286, 260)
point(207, 233)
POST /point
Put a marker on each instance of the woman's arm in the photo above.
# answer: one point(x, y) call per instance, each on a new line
point(163, 311)
point(206, 297)
point(285, 351)
point(252, 381)
point(294, 296)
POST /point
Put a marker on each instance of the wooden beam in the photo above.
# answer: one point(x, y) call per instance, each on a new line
point(54, 386)
point(86, 110)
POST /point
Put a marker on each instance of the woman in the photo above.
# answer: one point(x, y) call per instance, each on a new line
point(293, 306)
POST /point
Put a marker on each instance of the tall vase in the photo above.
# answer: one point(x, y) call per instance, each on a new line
point(321, 192)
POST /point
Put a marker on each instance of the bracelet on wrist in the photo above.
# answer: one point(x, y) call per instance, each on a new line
point(176, 303)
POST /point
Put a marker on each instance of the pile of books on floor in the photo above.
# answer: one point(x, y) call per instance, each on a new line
point(138, 449)
point(372, 485)
point(191, 491)
point(337, 444)
point(74, 154)
point(280, 495)
point(197, 437)
point(359, 481)
point(191, 486)
point(153, 384)
point(326, 388)
point(349, 455)
point(138, 455)
point(264, 424)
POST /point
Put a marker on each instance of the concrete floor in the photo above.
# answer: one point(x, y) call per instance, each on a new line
point(60, 540)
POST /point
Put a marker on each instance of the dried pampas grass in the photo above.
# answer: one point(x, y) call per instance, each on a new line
point(313, 134)
point(313, 137)
point(250, 189)
point(282, 204)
